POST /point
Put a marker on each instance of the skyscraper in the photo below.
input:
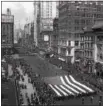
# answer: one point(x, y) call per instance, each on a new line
point(44, 24)
point(36, 6)
point(57, 9)
point(46, 9)
point(7, 32)
point(73, 17)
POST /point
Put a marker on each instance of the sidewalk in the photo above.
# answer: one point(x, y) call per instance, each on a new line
point(10, 71)
point(30, 89)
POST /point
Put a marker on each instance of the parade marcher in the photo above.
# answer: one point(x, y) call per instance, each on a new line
point(100, 103)
point(100, 98)
point(82, 100)
point(91, 99)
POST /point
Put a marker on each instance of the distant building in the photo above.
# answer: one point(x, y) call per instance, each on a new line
point(54, 37)
point(92, 45)
point(7, 32)
point(57, 9)
point(36, 12)
point(46, 9)
point(44, 24)
point(73, 17)
point(29, 35)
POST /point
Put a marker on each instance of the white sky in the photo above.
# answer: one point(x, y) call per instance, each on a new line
point(21, 11)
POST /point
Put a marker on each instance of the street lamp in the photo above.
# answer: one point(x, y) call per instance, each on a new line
point(89, 66)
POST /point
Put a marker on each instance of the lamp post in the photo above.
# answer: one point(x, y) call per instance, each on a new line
point(89, 66)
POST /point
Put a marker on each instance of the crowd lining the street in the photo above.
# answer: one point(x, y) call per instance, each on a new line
point(43, 95)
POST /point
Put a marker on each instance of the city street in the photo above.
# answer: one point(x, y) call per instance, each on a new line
point(52, 53)
point(42, 67)
point(45, 69)
point(29, 87)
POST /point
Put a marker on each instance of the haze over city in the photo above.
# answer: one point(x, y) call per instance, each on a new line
point(23, 11)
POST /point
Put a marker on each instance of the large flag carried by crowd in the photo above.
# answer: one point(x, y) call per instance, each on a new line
point(66, 85)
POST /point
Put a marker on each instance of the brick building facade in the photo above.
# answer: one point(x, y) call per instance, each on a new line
point(73, 17)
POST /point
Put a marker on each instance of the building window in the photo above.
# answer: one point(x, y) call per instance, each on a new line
point(69, 51)
point(69, 43)
point(77, 22)
point(91, 54)
point(76, 43)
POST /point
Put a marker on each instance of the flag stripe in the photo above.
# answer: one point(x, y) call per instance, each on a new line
point(70, 90)
point(68, 85)
point(90, 90)
point(80, 89)
point(77, 84)
point(58, 94)
point(63, 87)
point(64, 93)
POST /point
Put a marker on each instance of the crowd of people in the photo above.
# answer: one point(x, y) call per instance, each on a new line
point(74, 68)
point(44, 95)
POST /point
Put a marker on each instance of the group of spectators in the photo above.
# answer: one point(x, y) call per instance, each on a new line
point(33, 99)
point(44, 93)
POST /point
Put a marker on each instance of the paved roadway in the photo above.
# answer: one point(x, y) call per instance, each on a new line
point(45, 69)
point(42, 67)
point(12, 91)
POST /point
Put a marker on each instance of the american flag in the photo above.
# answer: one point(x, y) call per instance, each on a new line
point(66, 85)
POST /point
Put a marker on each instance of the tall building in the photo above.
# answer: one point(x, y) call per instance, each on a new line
point(7, 32)
point(57, 9)
point(55, 35)
point(73, 17)
point(36, 11)
point(91, 48)
point(44, 24)
point(46, 9)
point(29, 36)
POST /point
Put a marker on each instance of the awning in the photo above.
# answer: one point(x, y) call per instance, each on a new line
point(61, 59)
point(98, 25)
point(77, 60)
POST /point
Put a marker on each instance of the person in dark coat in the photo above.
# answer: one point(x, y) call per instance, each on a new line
point(100, 98)
point(91, 99)
point(82, 100)
point(100, 103)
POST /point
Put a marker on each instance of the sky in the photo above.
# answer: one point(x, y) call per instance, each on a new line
point(21, 11)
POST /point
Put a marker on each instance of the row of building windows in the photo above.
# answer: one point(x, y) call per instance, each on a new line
point(85, 3)
point(68, 43)
point(84, 14)
point(88, 54)
point(89, 45)
point(83, 22)
point(82, 11)
point(87, 38)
